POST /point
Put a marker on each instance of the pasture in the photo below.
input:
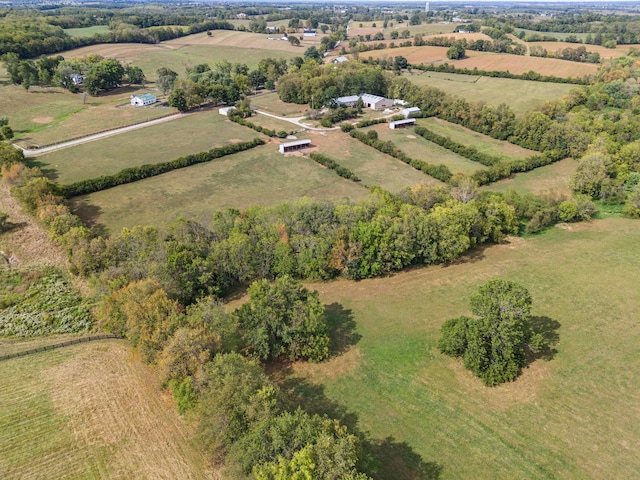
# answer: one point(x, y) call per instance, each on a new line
point(521, 95)
point(260, 176)
point(552, 179)
point(371, 166)
point(558, 35)
point(483, 143)
point(423, 29)
point(421, 149)
point(86, 31)
point(91, 411)
point(272, 104)
point(553, 47)
point(574, 416)
point(158, 143)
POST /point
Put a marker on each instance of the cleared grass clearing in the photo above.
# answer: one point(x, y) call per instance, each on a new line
point(396, 385)
point(45, 115)
point(371, 166)
point(91, 411)
point(483, 143)
point(158, 143)
point(86, 31)
point(260, 176)
point(521, 95)
point(273, 123)
point(558, 35)
point(420, 149)
point(553, 179)
point(272, 104)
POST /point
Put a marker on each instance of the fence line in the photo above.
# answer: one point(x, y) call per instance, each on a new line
point(57, 345)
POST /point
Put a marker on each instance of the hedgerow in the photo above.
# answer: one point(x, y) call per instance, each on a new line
point(333, 165)
point(469, 152)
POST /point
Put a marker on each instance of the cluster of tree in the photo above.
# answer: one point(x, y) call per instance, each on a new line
point(6, 132)
point(134, 174)
point(320, 84)
point(336, 115)
point(333, 165)
point(441, 172)
point(208, 357)
point(579, 54)
point(225, 83)
point(601, 29)
point(494, 345)
point(96, 74)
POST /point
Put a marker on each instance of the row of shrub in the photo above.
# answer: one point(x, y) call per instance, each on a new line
point(502, 170)
point(367, 123)
point(333, 165)
point(441, 172)
point(237, 118)
point(133, 174)
point(530, 75)
point(469, 152)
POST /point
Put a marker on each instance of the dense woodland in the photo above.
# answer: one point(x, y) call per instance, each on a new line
point(164, 289)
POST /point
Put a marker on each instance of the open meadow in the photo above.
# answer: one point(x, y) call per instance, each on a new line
point(572, 415)
point(482, 143)
point(423, 29)
point(553, 179)
point(86, 31)
point(521, 95)
point(420, 149)
point(260, 176)
point(193, 133)
point(91, 411)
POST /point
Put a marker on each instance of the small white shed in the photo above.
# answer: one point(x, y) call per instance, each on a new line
point(225, 111)
point(407, 122)
point(293, 146)
point(407, 112)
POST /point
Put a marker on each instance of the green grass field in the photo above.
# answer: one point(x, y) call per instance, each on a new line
point(158, 143)
point(86, 31)
point(421, 149)
point(272, 104)
point(558, 35)
point(69, 413)
point(483, 143)
point(521, 95)
point(552, 179)
point(573, 417)
point(371, 166)
point(260, 176)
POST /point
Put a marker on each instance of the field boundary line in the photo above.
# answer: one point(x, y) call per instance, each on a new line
point(68, 343)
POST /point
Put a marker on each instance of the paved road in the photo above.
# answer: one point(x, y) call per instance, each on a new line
point(97, 136)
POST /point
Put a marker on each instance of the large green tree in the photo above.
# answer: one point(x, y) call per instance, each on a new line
point(493, 346)
point(284, 318)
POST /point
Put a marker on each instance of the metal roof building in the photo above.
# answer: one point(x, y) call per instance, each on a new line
point(407, 122)
point(292, 146)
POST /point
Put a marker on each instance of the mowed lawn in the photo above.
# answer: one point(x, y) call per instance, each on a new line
point(370, 165)
point(483, 143)
point(553, 179)
point(521, 95)
point(194, 133)
point(420, 149)
point(576, 416)
point(91, 411)
point(260, 176)
point(47, 115)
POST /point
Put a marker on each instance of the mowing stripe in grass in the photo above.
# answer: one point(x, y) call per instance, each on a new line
point(133, 174)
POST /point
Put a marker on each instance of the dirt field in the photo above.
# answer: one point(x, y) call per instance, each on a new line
point(230, 38)
point(91, 411)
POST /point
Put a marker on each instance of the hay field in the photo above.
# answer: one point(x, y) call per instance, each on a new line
point(483, 143)
point(91, 411)
point(573, 417)
point(419, 148)
point(521, 95)
point(86, 31)
point(158, 143)
point(424, 29)
point(244, 40)
point(260, 176)
point(371, 166)
point(553, 179)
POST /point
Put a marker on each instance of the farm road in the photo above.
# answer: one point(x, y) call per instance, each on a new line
point(296, 121)
point(97, 136)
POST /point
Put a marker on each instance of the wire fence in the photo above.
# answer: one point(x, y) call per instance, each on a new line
point(57, 345)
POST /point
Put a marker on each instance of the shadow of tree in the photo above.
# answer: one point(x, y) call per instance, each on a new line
point(48, 172)
point(546, 328)
point(341, 328)
point(381, 459)
point(88, 213)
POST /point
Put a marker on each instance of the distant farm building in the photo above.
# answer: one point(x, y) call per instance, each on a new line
point(350, 101)
point(407, 122)
point(340, 59)
point(309, 33)
point(407, 112)
point(374, 102)
point(142, 100)
point(77, 79)
point(225, 111)
point(293, 146)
